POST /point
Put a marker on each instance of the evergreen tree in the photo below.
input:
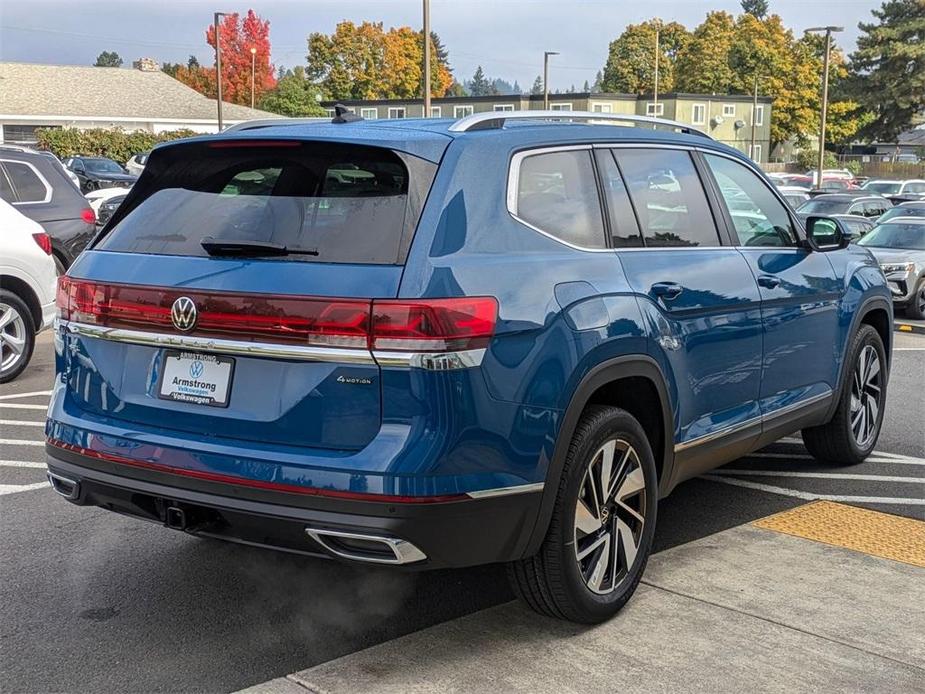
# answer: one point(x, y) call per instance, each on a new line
point(756, 8)
point(537, 87)
point(586, 87)
point(108, 59)
point(889, 67)
point(517, 89)
point(479, 84)
point(598, 78)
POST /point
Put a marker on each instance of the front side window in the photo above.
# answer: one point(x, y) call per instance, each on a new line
point(759, 218)
point(668, 197)
point(557, 193)
point(29, 185)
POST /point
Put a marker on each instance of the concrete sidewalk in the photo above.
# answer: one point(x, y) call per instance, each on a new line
point(747, 609)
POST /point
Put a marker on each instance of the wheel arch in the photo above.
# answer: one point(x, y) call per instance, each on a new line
point(21, 288)
point(607, 384)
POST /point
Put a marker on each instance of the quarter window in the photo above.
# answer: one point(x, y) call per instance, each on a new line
point(557, 193)
point(759, 218)
point(668, 197)
point(28, 184)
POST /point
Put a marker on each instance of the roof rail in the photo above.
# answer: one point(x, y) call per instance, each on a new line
point(271, 123)
point(496, 119)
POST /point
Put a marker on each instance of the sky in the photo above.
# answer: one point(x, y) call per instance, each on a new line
point(506, 37)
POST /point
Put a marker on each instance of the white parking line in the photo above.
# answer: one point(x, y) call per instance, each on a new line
point(22, 463)
point(16, 406)
point(809, 496)
point(20, 442)
point(14, 488)
point(823, 475)
point(909, 349)
point(876, 457)
point(17, 396)
point(21, 423)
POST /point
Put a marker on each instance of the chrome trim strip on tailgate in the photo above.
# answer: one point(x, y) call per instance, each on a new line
point(507, 491)
point(339, 355)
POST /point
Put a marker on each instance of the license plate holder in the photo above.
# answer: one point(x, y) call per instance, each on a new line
point(197, 378)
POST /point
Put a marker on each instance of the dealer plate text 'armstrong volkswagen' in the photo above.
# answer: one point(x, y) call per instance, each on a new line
point(438, 344)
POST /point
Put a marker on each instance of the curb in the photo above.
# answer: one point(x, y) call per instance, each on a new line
point(904, 327)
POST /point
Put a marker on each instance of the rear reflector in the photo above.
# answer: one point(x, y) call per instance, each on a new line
point(425, 325)
point(44, 242)
point(88, 215)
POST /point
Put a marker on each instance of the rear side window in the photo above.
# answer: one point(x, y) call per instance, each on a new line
point(557, 193)
point(668, 196)
point(6, 191)
point(624, 231)
point(27, 182)
point(325, 202)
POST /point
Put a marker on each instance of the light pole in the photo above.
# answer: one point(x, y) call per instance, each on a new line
point(825, 93)
point(546, 55)
point(427, 58)
point(657, 52)
point(253, 70)
point(751, 152)
point(218, 68)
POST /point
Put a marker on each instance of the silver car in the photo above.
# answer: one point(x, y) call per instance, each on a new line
point(899, 247)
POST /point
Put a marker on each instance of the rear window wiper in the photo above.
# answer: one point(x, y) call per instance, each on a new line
point(245, 248)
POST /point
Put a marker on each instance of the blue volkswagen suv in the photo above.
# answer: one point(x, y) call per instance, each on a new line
point(429, 343)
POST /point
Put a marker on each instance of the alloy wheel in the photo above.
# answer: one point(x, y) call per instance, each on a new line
point(12, 337)
point(866, 396)
point(919, 299)
point(610, 516)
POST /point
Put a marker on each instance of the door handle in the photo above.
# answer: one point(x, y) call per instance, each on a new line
point(667, 290)
point(769, 281)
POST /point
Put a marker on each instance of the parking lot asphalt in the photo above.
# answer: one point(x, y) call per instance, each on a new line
point(91, 601)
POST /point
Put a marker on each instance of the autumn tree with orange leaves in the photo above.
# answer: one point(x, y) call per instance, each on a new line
point(367, 62)
point(238, 36)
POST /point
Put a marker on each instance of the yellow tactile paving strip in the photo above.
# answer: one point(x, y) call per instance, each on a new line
point(870, 532)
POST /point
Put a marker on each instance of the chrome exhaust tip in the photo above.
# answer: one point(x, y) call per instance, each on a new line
point(68, 488)
point(369, 548)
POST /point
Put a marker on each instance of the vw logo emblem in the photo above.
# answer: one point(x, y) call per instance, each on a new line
point(196, 369)
point(183, 314)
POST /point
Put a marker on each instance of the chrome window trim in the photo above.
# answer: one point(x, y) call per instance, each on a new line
point(761, 419)
point(507, 491)
point(48, 191)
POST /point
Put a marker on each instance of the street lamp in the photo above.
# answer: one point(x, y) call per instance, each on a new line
point(546, 55)
point(825, 93)
point(218, 68)
point(253, 68)
point(658, 51)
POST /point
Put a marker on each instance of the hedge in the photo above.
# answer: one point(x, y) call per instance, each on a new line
point(114, 143)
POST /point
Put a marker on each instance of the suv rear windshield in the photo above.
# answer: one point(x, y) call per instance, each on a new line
point(325, 202)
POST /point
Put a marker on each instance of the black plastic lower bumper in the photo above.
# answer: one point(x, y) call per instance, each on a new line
point(450, 534)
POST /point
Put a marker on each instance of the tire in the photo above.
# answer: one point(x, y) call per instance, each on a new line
point(850, 436)
point(17, 336)
point(916, 307)
point(556, 582)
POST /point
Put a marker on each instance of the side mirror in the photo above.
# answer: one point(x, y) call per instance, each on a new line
point(824, 234)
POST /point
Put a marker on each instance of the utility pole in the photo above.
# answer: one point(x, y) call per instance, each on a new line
point(427, 58)
point(657, 52)
point(253, 69)
point(751, 151)
point(825, 94)
point(546, 55)
point(218, 68)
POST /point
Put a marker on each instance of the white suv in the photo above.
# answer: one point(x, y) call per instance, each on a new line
point(27, 289)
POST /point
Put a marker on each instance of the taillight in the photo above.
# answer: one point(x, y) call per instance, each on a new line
point(44, 242)
point(433, 325)
point(88, 215)
point(427, 325)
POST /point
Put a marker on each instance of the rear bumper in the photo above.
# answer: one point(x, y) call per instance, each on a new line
point(454, 533)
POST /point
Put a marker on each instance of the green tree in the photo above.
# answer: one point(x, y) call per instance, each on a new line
point(293, 96)
point(703, 63)
point(630, 66)
point(756, 8)
point(598, 78)
point(479, 85)
point(108, 59)
point(537, 87)
point(889, 67)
